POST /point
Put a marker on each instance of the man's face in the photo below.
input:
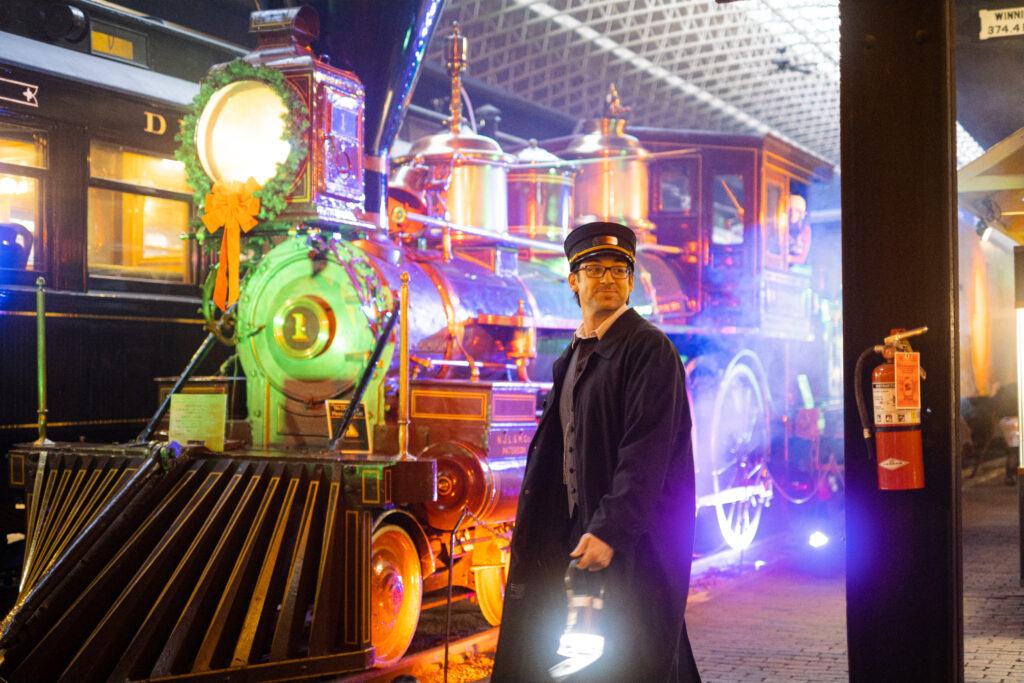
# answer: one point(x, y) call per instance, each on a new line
point(604, 295)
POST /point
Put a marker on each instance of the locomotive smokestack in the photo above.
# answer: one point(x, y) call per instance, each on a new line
point(455, 61)
point(384, 44)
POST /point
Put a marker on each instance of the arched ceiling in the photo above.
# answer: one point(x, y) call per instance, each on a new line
point(750, 66)
point(753, 66)
point(746, 67)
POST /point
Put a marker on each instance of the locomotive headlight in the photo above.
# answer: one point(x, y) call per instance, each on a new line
point(239, 133)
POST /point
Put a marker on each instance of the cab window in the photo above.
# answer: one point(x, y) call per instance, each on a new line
point(776, 223)
point(23, 164)
point(675, 193)
point(139, 208)
point(727, 220)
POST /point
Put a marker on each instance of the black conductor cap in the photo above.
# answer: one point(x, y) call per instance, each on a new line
point(600, 238)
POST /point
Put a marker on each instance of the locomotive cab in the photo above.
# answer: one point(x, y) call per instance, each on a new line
point(726, 269)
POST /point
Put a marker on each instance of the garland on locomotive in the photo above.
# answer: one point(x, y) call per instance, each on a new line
point(320, 242)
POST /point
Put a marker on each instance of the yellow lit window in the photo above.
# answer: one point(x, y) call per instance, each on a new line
point(138, 210)
point(136, 236)
point(114, 162)
point(22, 160)
point(22, 146)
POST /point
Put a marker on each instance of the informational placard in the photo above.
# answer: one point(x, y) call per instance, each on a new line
point(1000, 23)
point(198, 418)
point(908, 380)
point(357, 436)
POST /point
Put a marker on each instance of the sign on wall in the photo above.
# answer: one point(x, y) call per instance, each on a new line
point(1000, 23)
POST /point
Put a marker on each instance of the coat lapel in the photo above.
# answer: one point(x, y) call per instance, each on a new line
point(557, 376)
point(617, 333)
point(609, 343)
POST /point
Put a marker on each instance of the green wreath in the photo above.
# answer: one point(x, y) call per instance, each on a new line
point(274, 192)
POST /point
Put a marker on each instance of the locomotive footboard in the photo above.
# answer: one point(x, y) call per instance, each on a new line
point(147, 563)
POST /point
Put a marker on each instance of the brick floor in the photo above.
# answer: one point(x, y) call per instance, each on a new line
point(780, 623)
point(786, 624)
point(993, 595)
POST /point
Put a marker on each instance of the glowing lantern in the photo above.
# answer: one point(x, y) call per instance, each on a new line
point(582, 643)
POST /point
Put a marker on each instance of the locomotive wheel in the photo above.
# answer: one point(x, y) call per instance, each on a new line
point(740, 443)
point(490, 592)
point(396, 592)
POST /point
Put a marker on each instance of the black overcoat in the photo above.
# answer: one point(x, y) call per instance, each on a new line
point(636, 493)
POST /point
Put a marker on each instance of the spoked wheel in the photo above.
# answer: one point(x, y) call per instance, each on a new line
point(490, 592)
point(396, 592)
point(739, 444)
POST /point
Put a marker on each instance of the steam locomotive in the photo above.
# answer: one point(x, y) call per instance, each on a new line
point(396, 321)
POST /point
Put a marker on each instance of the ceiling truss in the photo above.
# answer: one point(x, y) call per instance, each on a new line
point(677, 63)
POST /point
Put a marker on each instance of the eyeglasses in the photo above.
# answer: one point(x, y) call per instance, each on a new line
point(596, 272)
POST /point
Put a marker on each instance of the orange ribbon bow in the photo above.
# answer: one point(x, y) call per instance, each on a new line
point(233, 206)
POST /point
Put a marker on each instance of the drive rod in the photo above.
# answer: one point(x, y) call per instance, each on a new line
point(357, 397)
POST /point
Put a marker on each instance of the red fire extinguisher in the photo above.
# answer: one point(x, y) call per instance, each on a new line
point(896, 402)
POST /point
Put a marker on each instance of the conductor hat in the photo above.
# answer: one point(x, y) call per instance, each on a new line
point(600, 238)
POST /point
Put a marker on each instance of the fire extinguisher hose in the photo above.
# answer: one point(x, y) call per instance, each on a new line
point(858, 390)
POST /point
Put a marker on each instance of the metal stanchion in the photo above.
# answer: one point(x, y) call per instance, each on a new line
point(41, 360)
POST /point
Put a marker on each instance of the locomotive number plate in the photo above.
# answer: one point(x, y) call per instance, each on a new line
point(303, 327)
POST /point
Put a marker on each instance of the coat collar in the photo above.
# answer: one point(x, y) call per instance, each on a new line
point(620, 329)
point(606, 346)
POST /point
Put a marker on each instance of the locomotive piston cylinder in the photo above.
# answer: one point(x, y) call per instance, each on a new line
point(485, 483)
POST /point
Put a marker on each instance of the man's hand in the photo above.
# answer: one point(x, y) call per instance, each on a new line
point(593, 553)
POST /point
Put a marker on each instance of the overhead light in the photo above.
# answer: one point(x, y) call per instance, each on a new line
point(817, 540)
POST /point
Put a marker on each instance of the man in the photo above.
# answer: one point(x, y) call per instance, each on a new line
point(609, 481)
point(799, 230)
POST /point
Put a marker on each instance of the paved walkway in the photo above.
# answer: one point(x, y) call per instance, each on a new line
point(787, 623)
point(993, 595)
point(782, 622)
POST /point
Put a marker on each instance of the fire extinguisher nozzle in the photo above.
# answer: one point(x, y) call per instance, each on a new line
point(899, 336)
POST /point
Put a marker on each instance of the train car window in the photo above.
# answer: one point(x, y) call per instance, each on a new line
point(727, 221)
point(23, 160)
point(674, 193)
point(22, 146)
point(138, 209)
point(114, 162)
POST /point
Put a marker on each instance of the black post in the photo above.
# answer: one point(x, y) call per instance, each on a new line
point(904, 587)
